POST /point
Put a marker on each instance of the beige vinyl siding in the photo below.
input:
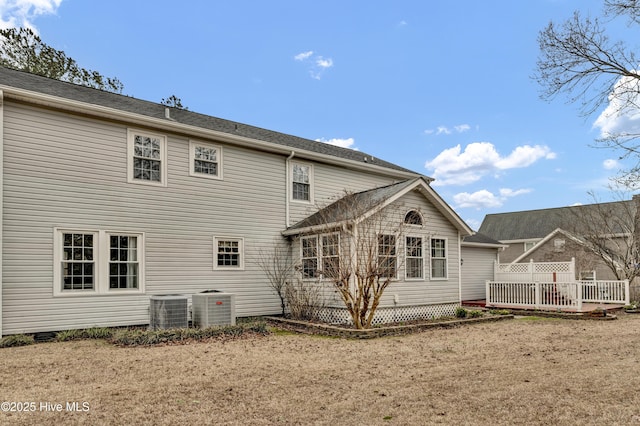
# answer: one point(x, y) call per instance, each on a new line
point(428, 291)
point(331, 182)
point(414, 292)
point(477, 268)
point(71, 172)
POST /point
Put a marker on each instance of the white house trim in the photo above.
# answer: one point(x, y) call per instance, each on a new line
point(162, 124)
point(1, 197)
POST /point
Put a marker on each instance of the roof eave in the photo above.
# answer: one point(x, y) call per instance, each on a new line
point(99, 111)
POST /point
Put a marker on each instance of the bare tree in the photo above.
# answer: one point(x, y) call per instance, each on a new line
point(611, 231)
point(278, 265)
point(297, 299)
point(356, 239)
point(579, 60)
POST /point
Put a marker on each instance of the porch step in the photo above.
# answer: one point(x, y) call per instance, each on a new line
point(475, 303)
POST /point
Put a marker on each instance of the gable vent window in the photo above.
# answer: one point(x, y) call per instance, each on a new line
point(413, 217)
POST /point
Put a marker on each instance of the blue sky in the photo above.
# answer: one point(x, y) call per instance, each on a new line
point(442, 88)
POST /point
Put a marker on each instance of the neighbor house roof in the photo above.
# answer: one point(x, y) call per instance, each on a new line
point(357, 206)
point(481, 240)
point(536, 224)
point(85, 100)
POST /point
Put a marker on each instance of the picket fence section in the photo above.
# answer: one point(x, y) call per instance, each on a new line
point(549, 285)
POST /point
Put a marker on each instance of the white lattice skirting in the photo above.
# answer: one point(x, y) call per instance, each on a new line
point(391, 315)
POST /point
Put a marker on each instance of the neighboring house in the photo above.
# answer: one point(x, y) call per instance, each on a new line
point(561, 234)
point(479, 255)
point(108, 200)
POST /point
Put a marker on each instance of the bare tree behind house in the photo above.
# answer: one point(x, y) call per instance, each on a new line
point(578, 60)
point(611, 231)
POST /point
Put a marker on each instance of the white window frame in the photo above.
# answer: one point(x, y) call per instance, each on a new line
point(131, 134)
point(193, 144)
point(101, 258)
point(416, 225)
point(311, 179)
point(432, 258)
point(318, 238)
point(407, 257)
point(315, 273)
point(240, 265)
point(395, 256)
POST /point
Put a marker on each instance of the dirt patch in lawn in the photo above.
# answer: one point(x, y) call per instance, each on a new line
point(523, 371)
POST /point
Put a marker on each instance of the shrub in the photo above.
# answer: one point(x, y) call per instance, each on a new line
point(499, 312)
point(88, 333)
point(475, 314)
point(176, 335)
point(16, 340)
point(461, 312)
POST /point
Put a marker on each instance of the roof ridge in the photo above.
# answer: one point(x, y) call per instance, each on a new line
point(126, 103)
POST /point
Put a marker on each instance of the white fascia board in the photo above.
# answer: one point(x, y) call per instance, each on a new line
point(485, 245)
point(193, 131)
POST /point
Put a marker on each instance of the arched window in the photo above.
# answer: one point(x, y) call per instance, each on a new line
point(413, 218)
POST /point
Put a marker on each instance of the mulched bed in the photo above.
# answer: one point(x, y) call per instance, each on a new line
point(345, 331)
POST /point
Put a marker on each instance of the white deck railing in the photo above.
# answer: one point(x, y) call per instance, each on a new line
point(555, 295)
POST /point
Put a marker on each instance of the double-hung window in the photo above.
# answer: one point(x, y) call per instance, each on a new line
point(320, 255)
point(147, 158)
point(309, 248)
point(78, 265)
point(301, 182)
point(97, 262)
point(414, 267)
point(205, 160)
point(438, 258)
point(124, 262)
point(330, 255)
point(228, 253)
point(387, 256)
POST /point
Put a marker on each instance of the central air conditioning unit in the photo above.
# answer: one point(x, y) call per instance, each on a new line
point(168, 311)
point(213, 307)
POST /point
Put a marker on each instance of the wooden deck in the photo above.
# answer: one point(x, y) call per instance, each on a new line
point(586, 307)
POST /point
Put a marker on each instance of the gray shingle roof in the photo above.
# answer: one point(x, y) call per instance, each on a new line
point(352, 206)
point(31, 82)
point(533, 224)
point(479, 238)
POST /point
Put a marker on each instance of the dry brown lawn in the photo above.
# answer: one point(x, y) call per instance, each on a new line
point(523, 371)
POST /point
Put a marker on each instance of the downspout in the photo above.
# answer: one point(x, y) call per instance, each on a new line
point(287, 190)
point(460, 260)
point(1, 197)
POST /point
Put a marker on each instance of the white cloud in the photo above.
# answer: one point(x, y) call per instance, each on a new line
point(485, 199)
point(317, 64)
point(456, 167)
point(303, 55)
point(324, 63)
point(610, 164)
point(622, 115)
point(21, 13)
point(461, 128)
point(444, 130)
point(344, 143)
